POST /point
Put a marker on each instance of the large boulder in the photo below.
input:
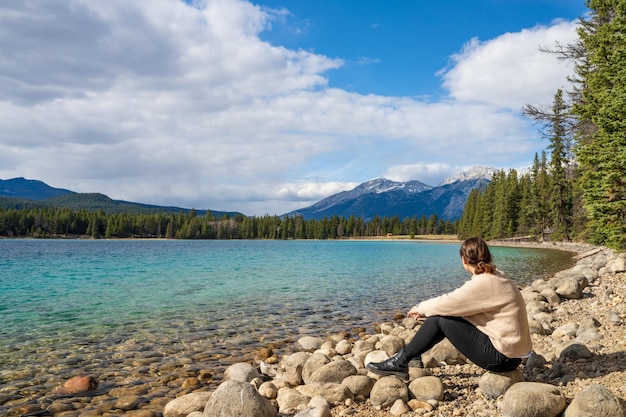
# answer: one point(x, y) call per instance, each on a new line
point(235, 399)
point(528, 399)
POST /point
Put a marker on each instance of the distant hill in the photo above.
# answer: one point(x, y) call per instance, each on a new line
point(20, 193)
point(386, 198)
point(30, 189)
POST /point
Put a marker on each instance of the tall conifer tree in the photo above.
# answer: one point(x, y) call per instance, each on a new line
point(602, 153)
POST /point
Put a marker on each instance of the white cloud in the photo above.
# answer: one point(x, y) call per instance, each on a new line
point(179, 105)
point(511, 71)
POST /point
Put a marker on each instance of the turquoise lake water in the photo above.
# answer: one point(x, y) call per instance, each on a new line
point(59, 290)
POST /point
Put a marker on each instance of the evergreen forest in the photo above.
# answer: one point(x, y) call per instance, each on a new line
point(576, 189)
point(65, 222)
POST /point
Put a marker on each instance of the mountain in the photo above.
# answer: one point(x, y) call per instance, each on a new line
point(386, 198)
point(30, 189)
point(20, 193)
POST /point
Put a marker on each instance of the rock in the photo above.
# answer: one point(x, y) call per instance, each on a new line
point(335, 371)
point(77, 385)
point(398, 408)
point(267, 369)
point(572, 287)
point(375, 356)
point(128, 402)
point(359, 385)
point(290, 400)
point(531, 294)
point(309, 343)
point(532, 399)
point(420, 405)
point(613, 317)
point(493, 385)
point(331, 392)
point(588, 329)
point(292, 368)
point(552, 298)
point(150, 413)
point(595, 401)
point(321, 411)
point(362, 347)
point(312, 364)
point(391, 344)
point(317, 402)
point(387, 390)
point(343, 347)
point(268, 390)
point(243, 372)
point(535, 361)
point(617, 264)
point(568, 330)
point(427, 388)
point(263, 353)
point(536, 327)
point(535, 307)
point(443, 351)
point(235, 398)
point(575, 351)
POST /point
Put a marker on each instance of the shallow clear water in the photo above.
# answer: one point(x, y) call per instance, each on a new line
point(53, 290)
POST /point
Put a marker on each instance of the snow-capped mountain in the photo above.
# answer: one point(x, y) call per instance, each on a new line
point(387, 198)
point(475, 173)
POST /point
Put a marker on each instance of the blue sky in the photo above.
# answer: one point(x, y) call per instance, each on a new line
point(398, 49)
point(265, 107)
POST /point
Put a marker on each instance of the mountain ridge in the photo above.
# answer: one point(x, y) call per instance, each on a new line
point(387, 198)
point(21, 193)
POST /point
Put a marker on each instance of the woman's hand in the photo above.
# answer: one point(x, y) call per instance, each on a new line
point(413, 313)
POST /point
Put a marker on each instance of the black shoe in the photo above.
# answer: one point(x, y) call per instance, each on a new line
point(398, 366)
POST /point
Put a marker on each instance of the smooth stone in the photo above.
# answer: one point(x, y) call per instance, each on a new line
point(493, 384)
point(387, 390)
point(595, 401)
point(532, 399)
point(235, 399)
point(186, 404)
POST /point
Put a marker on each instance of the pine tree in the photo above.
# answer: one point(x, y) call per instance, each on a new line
point(560, 201)
point(602, 153)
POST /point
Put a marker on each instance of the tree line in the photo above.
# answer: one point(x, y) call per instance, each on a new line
point(65, 222)
point(579, 190)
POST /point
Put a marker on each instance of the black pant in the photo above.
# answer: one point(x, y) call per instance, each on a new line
point(471, 342)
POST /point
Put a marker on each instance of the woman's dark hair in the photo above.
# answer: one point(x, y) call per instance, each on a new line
point(476, 254)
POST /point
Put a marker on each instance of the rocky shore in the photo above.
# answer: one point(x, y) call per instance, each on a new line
point(578, 320)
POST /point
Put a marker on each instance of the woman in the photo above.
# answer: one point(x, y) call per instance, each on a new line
point(485, 319)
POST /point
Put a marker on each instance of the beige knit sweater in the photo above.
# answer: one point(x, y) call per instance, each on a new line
point(494, 304)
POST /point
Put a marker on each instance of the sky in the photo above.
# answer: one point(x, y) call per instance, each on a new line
point(267, 106)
